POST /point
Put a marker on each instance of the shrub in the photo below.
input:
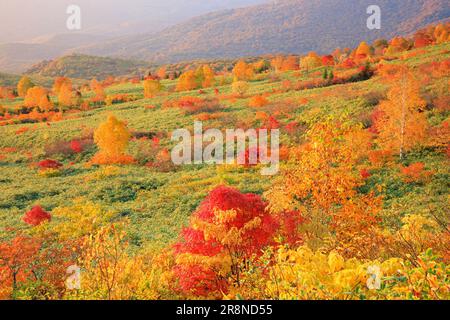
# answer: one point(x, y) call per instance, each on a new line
point(415, 172)
point(240, 88)
point(258, 101)
point(36, 216)
point(49, 164)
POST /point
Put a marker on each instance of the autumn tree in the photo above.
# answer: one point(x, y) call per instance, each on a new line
point(30, 260)
point(363, 50)
point(441, 33)
point(240, 87)
point(162, 72)
point(227, 229)
point(23, 86)
point(421, 39)
point(34, 96)
point(402, 124)
point(108, 271)
point(151, 88)
point(321, 181)
point(261, 65)
point(187, 81)
point(45, 104)
point(277, 63)
point(99, 91)
point(258, 101)
point(290, 63)
point(243, 71)
point(328, 60)
point(311, 61)
point(397, 44)
point(112, 138)
point(207, 76)
point(65, 96)
point(59, 82)
point(16, 260)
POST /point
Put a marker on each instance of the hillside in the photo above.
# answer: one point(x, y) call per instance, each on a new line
point(286, 26)
point(17, 57)
point(87, 67)
point(358, 209)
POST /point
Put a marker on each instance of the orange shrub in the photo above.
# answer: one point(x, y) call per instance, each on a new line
point(258, 101)
point(416, 172)
point(379, 157)
point(194, 105)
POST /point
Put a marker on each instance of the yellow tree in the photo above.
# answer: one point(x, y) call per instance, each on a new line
point(311, 61)
point(108, 271)
point(151, 88)
point(208, 77)
point(187, 81)
point(402, 124)
point(23, 86)
point(321, 177)
point(112, 138)
point(240, 87)
point(277, 63)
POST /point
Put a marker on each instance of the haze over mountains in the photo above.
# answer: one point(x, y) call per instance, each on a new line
point(283, 26)
point(44, 35)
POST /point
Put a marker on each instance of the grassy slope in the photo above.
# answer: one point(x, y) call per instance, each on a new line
point(158, 214)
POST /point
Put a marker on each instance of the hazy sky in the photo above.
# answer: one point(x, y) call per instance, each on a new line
point(22, 20)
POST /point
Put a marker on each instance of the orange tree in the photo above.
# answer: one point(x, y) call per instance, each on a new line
point(402, 124)
point(321, 181)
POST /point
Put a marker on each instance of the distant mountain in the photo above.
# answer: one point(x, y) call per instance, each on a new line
point(283, 26)
point(87, 67)
point(43, 24)
point(17, 57)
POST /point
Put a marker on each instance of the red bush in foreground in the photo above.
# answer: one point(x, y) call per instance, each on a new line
point(233, 226)
point(36, 216)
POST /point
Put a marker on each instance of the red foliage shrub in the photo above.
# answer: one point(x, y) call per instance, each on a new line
point(199, 280)
point(36, 216)
point(271, 123)
point(415, 172)
point(49, 164)
point(193, 105)
point(365, 173)
point(348, 63)
point(291, 127)
point(255, 227)
point(76, 146)
point(328, 60)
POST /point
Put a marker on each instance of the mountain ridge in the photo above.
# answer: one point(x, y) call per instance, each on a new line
point(284, 26)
